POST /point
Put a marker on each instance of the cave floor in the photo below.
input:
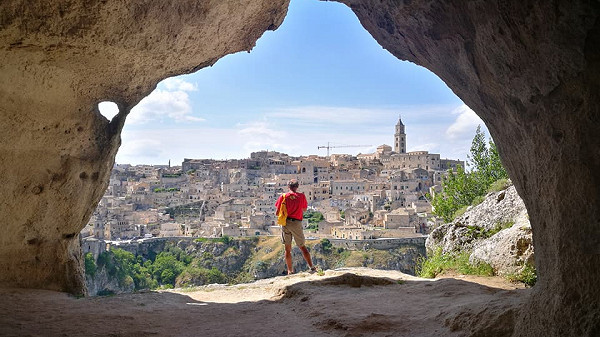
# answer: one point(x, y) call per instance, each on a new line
point(343, 302)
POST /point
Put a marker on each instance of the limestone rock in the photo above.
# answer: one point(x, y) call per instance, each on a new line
point(101, 283)
point(498, 210)
point(59, 60)
point(509, 250)
point(531, 70)
point(496, 232)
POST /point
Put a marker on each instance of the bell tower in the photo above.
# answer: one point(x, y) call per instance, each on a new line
point(400, 137)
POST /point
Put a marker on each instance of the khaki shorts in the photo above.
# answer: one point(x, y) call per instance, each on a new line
point(292, 228)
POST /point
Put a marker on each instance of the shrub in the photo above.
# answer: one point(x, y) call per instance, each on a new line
point(527, 275)
point(90, 264)
point(261, 266)
point(224, 239)
point(438, 263)
point(105, 292)
point(499, 185)
point(199, 276)
point(460, 212)
point(478, 200)
point(476, 232)
point(500, 226)
point(327, 246)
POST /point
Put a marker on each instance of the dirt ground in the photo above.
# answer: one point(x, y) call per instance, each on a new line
point(343, 302)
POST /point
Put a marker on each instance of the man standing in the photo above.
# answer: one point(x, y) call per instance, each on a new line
point(296, 204)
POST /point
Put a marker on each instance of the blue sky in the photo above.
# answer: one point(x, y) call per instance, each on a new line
point(318, 78)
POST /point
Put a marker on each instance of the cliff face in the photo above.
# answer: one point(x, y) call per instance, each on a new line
point(208, 261)
point(102, 283)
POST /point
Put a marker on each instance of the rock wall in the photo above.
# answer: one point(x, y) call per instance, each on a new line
point(391, 243)
point(101, 283)
point(531, 70)
point(59, 60)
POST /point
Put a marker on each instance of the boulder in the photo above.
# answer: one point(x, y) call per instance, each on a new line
point(496, 232)
point(507, 251)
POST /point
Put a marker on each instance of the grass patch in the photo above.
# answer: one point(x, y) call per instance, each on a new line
point(476, 232)
point(500, 226)
point(460, 212)
point(478, 200)
point(528, 276)
point(499, 185)
point(439, 263)
point(268, 249)
point(224, 239)
point(353, 258)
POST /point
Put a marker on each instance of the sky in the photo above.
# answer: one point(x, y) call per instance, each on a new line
point(319, 78)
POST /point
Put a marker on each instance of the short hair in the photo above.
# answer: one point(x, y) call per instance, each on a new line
point(293, 183)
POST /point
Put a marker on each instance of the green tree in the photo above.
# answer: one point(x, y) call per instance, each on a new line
point(461, 188)
point(496, 169)
point(166, 268)
point(478, 159)
point(484, 162)
point(314, 218)
point(90, 264)
point(193, 275)
point(327, 246)
point(124, 262)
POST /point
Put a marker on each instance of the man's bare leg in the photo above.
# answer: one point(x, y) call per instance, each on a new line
point(288, 258)
point(306, 255)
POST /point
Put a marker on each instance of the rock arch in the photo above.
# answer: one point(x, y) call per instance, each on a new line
point(530, 69)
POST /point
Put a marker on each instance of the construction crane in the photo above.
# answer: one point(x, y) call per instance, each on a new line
point(337, 146)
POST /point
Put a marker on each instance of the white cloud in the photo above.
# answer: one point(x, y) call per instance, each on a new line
point(465, 124)
point(177, 84)
point(143, 148)
point(260, 135)
point(160, 145)
point(170, 103)
point(336, 115)
point(342, 116)
point(157, 143)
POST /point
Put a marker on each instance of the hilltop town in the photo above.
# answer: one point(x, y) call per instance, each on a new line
point(368, 196)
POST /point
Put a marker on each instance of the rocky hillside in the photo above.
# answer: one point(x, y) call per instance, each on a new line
point(496, 232)
point(189, 262)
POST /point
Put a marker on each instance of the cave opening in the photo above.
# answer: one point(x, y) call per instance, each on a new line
point(529, 69)
point(296, 84)
point(108, 109)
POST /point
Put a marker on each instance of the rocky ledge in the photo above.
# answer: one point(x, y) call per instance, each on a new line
point(341, 302)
